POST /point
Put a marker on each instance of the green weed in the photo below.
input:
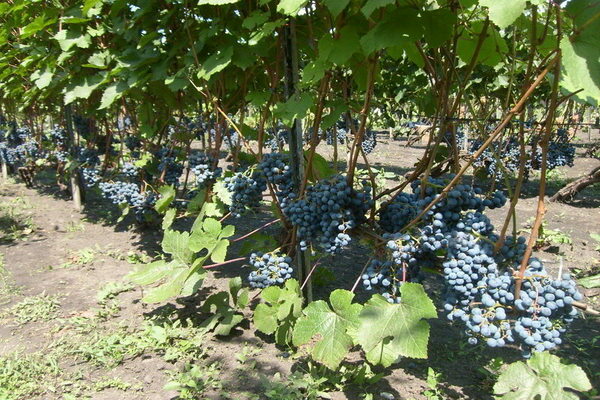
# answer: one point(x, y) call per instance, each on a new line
point(33, 309)
point(194, 380)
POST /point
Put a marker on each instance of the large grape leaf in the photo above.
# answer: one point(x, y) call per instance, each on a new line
point(326, 328)
point(388, 331)
point(581, 52)
point(226, 315)
point(281, 308)
point(291, 7)
point(504, 13)
point(543, 377)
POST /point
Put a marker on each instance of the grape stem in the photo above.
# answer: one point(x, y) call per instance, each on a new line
point(224, 263)
point(256, 230)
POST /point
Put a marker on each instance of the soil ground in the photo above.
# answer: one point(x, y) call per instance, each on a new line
point(64, 259)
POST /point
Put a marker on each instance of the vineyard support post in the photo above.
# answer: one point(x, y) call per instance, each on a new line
point(4, 171)
point(75, 186)
point(296, 152)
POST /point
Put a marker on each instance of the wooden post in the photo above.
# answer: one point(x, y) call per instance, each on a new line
point(296, 150)
point(75, 186)
point(4, 171)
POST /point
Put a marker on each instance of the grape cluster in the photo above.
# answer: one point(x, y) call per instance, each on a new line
point(129, 170)
point(82, 125)
point(58, 136)
point(270, 269)
point(91, 176)
point(460, 139)
point(328, 211)
point(369, 141)
point(275, 167)
point(133, 143)
point(246, 191)
point(88, 157)
point(169, 166)
point(561, 152)
point(18, 146)
point(340, 134)
point(201, 164)
point(122, 193)
point(382, 275)
point(479, 282)
point(499, 158)
point(278, 138)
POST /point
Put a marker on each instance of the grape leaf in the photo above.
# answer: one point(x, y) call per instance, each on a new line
point(290, 7)
point(280, 310)
point(226, 316)
point(167, 195)
point(543, 377)
point(388, 331)
point(504, 13)
point(327, 327)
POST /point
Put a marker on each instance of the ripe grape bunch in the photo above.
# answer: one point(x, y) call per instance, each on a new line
point(270, 269)
point(91, 176)
point(246, 191)
point(168, 167)
point(201, 165)
point(275, 167)
point(369, 141)
point(328, 211)
point(480, 282)
point(129, 170)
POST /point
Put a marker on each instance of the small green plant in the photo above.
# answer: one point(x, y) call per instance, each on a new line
point(245, 356)
point(194, 380)
point(112, 290)
point(14, 225)
point(25, 376)
point(35, 308)
point(433, 383)
point(297, 386)
point(75, 226)
point(112, 383)
point(8, 288)
point(548, 237)
point(79, 258)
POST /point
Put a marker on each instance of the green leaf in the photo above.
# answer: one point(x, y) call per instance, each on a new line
point(216, 63)
point(580, 52)
point(257, 242)
point(216, 2)
point(226, 316)
point(219, 253)
point(178, 245)
point(336, 6)
point(504, 13)
point(169, 289)
point(83, 88)
point(279, 312)
point(212, 227)
point(295, 108)
point(372, 5)
point(42, 79)
point(67, 39)
point(320, 167)
point(168, 219)
point(112, 93)
point(150, 273)
point(439, 25)
point(397, 27)
point(195, 205)
point(543, 377)
point(328, 327)
point(590, 282)
point(291, 7)
point(388, 331)
point(167, 195)
point(493, 48)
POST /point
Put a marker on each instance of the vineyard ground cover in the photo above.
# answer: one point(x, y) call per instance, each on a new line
point(462, 368)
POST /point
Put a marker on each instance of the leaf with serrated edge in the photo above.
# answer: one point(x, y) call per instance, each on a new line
point(328, 327)
point(388, 331)
point(544, 377)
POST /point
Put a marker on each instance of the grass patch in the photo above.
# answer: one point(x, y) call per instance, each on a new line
point(33, 309)
point(8, 288)
point(14, 225)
